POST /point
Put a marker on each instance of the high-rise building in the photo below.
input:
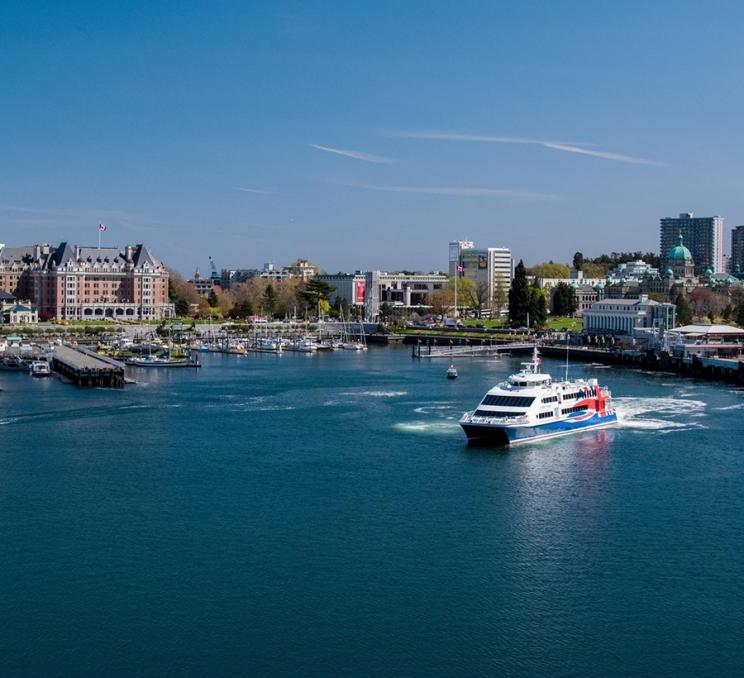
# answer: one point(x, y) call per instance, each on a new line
point(702, 235)
point(737, 249)
point(490, 269)
point(456, 248)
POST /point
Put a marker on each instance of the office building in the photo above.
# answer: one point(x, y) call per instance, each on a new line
point(490, 269)
point(737, 250)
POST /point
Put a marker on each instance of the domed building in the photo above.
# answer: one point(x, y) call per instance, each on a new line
point(679, 261)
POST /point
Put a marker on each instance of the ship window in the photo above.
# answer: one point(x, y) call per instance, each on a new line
point(496, 413)
point(508, 401)
point(551, 399)
point(578, 408)
point(544, 415)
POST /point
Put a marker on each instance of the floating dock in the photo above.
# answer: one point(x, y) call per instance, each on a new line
point(84, 368)
point(469, 350)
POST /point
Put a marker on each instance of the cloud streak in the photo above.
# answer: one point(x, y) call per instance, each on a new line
point(563, 146)
point(456, 191)
point(259, 191)
point(356, 155)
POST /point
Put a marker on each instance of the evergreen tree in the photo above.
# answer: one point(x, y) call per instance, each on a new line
point(739, 315)
point(314, 291)
point(212, 299)
point(564, 299)
point(684, 312)
point(519, 297)
point(537, 307)
point(578, 261)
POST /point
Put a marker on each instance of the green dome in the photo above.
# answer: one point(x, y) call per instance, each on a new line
point(709, 271)
point(679, 253)
point(599, 286)
point(669, 273)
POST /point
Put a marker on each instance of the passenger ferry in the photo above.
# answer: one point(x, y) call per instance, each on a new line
point(531, 406)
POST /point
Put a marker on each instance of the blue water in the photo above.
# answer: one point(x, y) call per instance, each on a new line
point(321, 516)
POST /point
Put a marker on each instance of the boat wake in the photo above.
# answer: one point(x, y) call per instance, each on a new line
point(429, 427)
point(663, 415)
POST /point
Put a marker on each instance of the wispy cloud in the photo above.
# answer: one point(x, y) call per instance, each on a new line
point(565, 146)
point(357, 155)
point(456, 191)
point(259, 191)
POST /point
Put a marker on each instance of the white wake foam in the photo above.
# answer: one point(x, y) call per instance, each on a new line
point(663, 415)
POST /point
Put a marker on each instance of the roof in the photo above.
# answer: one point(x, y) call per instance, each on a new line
point(679, 252)
point(4, 296)
point(18, 308)
point(708, 329)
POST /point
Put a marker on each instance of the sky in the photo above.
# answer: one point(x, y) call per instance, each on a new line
point(367, 135)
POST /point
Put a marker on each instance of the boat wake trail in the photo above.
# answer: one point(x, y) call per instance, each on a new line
point(663, 415)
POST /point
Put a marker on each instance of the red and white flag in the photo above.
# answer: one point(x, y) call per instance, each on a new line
point(101, 227)
point(461, 269)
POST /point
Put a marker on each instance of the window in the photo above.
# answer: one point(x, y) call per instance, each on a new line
point(551, 399)
point(570, 410)
point(544, 415)
point(496, 413)
point(508, 401)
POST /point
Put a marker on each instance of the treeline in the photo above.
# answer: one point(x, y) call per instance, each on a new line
point(598, 267)
point(258, 296)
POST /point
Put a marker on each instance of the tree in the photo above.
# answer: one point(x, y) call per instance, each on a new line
point(481, 297)
point(467, 296)
point(182, 293)
point(500, 295)
point(440, 300)
point(578, 260)
point(705, 302)
point(684, 312)
point(212, 299)
point(386, 312)
point(313, 291)
point(564, 299)
point(549, 270)
point(537, 307)
point(269, 300)
point(739, 315)
point(519, 297)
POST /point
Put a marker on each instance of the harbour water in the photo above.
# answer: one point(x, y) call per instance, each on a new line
point(316, 515)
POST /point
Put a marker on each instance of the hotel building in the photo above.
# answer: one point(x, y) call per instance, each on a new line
point(702, 235)
point(70, 282)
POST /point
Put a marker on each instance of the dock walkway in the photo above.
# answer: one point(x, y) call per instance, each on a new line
point(87, 369)
point(452, 351)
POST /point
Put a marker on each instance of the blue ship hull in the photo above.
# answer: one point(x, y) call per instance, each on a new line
point(484, 434)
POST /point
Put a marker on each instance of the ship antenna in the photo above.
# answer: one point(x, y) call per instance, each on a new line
point(566, 378)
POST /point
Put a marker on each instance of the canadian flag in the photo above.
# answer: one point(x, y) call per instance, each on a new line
point(102, 227)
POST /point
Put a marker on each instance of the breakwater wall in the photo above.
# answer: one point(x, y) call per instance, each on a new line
point(726, 370)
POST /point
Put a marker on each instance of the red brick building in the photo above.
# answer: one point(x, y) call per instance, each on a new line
point(86, 283)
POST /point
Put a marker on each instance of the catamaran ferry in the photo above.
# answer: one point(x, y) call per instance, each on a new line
point(531, 406)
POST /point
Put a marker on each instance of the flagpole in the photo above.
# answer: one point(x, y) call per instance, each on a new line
point(99, 237)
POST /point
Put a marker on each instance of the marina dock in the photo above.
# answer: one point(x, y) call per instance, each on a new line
point(469, 350)
point(86, 369)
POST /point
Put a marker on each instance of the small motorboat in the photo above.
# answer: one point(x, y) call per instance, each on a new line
point(451, 372)
point(40, 368)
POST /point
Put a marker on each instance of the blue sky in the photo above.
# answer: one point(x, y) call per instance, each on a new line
point(367, 134)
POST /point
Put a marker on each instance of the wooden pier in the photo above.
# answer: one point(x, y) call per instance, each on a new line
point(84, 368)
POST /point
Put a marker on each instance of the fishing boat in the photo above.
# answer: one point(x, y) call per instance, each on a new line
point(531, 406)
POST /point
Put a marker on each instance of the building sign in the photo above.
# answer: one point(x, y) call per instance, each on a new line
point(359, 291)
point(482, 261)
